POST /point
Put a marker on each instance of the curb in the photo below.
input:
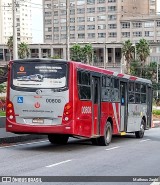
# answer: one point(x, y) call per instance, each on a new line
point(20, 138)
point(155, 124)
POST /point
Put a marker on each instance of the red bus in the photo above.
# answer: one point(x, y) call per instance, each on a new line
point(69, 99)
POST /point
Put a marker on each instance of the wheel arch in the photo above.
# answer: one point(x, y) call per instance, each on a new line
point(145, 121)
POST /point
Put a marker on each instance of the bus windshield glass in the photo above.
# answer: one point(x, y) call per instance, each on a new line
point(39, 75)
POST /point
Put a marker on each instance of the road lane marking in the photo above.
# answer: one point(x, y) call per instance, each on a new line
point(24, 144)
point(145, 140)
point(56, 164)
point(113, 148)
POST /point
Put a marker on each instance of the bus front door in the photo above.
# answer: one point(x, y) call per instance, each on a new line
point(149, 107)
point(95, 106)
point(124, 107)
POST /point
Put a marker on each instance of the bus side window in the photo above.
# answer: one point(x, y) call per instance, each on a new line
point(84, 85)
point(143, 93)
point(131, 92)
point(137, 93)
point(106, 88)
point(115, 90)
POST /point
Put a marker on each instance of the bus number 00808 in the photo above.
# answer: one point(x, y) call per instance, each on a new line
point(86, 110)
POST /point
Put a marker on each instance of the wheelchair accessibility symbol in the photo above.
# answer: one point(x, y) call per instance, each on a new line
point(20, 99)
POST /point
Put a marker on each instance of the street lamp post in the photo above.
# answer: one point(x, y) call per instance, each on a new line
point(157, 79)
point(15, 56)
point(67, 29)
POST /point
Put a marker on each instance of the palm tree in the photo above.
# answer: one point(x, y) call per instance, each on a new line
point(143, 51)
point(10, 46)
point(23, 50)
point(128, 51)
point(76, 53)
point(88, 53)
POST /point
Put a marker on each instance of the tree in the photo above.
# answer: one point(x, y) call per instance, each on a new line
point(135, 68)
point(3, 74)
point(87, 50)
point(23, 50)
point(76, 53)
point(82, 54)
point(143, 51)
point(10, 46)
point(128, 51)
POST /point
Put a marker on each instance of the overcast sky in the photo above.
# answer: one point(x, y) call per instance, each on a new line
point(37, 23)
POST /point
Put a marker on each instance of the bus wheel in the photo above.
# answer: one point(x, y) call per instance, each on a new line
point(106, 139)
point(140, 133)
point(58, 139)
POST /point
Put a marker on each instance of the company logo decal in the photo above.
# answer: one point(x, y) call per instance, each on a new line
point(19, 99)
point(21, 69)
point(37, 105)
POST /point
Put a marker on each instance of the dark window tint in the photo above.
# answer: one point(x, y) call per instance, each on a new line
point(84, 85)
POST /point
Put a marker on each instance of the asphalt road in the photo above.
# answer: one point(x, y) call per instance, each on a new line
point(125, 156)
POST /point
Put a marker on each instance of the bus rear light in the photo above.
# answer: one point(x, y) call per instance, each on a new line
point(9, 105)
point(67, 113)
point(66, 118)
point(11, 117)
point(10, 111)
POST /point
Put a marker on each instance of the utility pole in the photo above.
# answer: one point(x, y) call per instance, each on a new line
point(157, 79)
point(15, 56)
point(67, 29)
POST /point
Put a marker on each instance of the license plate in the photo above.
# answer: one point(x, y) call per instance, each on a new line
point(38, 120)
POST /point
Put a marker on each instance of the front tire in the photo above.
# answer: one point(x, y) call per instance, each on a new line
point(58, 139)
point(107, 137)
point(140, 133)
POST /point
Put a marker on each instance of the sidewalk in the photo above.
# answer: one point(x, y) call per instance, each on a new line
point(7, 137)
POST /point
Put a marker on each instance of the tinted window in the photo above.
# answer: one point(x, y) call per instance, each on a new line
point(84, 85)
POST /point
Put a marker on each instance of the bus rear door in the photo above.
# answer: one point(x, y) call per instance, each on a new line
point(124, 107)
point(96, 105)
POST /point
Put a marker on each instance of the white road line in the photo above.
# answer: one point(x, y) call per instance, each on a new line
point(113, 148)
point(24, 144)
point(56, 164)
point(155, 183)
point(145, 140)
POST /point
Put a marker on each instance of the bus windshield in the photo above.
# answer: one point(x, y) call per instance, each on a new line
point(39, 75)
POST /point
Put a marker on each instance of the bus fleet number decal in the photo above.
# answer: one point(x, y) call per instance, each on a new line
point(86, 110)
point(53, 100)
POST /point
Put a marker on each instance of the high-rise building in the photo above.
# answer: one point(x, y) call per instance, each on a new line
point(93, 20)
point(23, 19)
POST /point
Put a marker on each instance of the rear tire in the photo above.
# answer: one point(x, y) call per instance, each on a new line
point(58, 139)
point(140, 133)
point(107, 137)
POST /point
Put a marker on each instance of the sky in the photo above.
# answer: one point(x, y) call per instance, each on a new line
point(37, 22)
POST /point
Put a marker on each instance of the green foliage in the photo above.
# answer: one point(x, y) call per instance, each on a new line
point(76, 53)
point(2, 113)
point(156, 112)
point(3, 74)
point(10, 46)
point(56, 57)
point(82, 54)
point(23, 50)
point(143, 51)
point(2, 88)
point(128, 51)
